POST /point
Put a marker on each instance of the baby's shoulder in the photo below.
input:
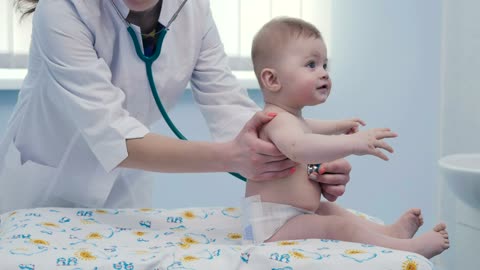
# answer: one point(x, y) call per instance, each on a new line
point(282, 121)
point(285, 117)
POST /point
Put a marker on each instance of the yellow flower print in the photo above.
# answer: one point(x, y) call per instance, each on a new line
point(101, 211)
point(297, 255)
point(287, 243)
point(189, 240)
point(354, 251)
point(409, 265)
point(145, 209)
point(86, 221)
point(139, 233)
point(39, 242)
point(189, 258)
point(13, 213)
point(234, 236)
point(184, 245)
point(230, 209)
point(188, 214)
point(85, 255)
point(94, 235)
point(49, 224)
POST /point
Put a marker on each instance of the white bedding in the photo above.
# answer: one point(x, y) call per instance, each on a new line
point(152, 239)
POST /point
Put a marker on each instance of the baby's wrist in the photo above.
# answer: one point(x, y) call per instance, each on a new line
point(350, 144)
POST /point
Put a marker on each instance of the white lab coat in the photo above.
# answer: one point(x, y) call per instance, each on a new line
point(86, 92)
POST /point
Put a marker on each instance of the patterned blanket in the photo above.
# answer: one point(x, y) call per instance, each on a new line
point(153, 239)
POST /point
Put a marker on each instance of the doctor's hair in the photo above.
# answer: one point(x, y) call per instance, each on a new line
point(25, 7)
point(272, 38)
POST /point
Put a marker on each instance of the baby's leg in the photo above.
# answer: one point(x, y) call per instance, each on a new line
point(405, 227)
point(340, 228)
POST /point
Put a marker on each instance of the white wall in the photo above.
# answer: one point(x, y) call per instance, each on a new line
point(461, 82)
point(460, 122)
point(386, 70)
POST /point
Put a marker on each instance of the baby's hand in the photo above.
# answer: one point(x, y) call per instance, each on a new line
point(349, 126)
point(369, 142)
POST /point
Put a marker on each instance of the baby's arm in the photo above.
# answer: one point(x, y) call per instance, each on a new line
point(332, 127)
point(287, 133)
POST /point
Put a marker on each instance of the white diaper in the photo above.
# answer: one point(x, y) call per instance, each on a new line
point(261, 220)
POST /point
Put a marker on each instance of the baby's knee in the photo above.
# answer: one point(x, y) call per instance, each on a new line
point(340, 227)
point(325, 208)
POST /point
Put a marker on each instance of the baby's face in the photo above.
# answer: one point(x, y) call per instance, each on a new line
point(303, 72)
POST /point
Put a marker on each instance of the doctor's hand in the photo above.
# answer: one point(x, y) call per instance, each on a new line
point(333, 177)
point(256, 159)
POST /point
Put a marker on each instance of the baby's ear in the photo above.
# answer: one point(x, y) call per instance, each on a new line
point(270, 80)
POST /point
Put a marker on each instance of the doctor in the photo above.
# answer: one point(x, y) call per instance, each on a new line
point(79, 135)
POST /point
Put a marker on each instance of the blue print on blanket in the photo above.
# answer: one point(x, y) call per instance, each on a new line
point(180, 228)
point(174, 220)
point(245, 256)
point(85, 213)
point(285, 258)
point(178, 266)
point(123, 266)
point(64, 220)
point(26, 266)
point(70, 261)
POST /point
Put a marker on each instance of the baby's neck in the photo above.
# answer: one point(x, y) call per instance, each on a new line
point(276, 107)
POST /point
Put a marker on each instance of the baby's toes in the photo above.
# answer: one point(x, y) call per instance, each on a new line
point(440, 227)
point(417, 211)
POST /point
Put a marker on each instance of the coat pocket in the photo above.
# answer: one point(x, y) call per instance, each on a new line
point(24, 185)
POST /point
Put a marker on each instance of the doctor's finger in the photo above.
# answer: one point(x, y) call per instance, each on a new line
point(333, 179)
point(278, 166)
point(329, 197)
point(335, 190)
point(267, 159)
point(264, 148)
point(339, 166)
point(272, 175)
point(258, 120)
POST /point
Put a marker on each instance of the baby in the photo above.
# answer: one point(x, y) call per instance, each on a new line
point(290, 62)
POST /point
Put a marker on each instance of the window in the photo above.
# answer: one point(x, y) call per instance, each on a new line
point(14, 37)
point(237, 21)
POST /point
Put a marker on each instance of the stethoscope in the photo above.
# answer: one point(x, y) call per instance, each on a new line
point(148, 60)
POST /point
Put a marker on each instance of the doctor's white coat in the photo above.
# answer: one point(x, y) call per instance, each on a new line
point(86, 92)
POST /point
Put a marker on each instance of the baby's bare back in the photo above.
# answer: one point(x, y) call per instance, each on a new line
point(296, 190)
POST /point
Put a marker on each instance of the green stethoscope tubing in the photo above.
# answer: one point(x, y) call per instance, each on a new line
point(148, 60)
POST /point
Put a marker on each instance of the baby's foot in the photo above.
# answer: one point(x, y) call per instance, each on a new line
point(432, 243)
point(407, 225)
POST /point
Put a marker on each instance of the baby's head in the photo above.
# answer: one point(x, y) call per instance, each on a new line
point(289, 59)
